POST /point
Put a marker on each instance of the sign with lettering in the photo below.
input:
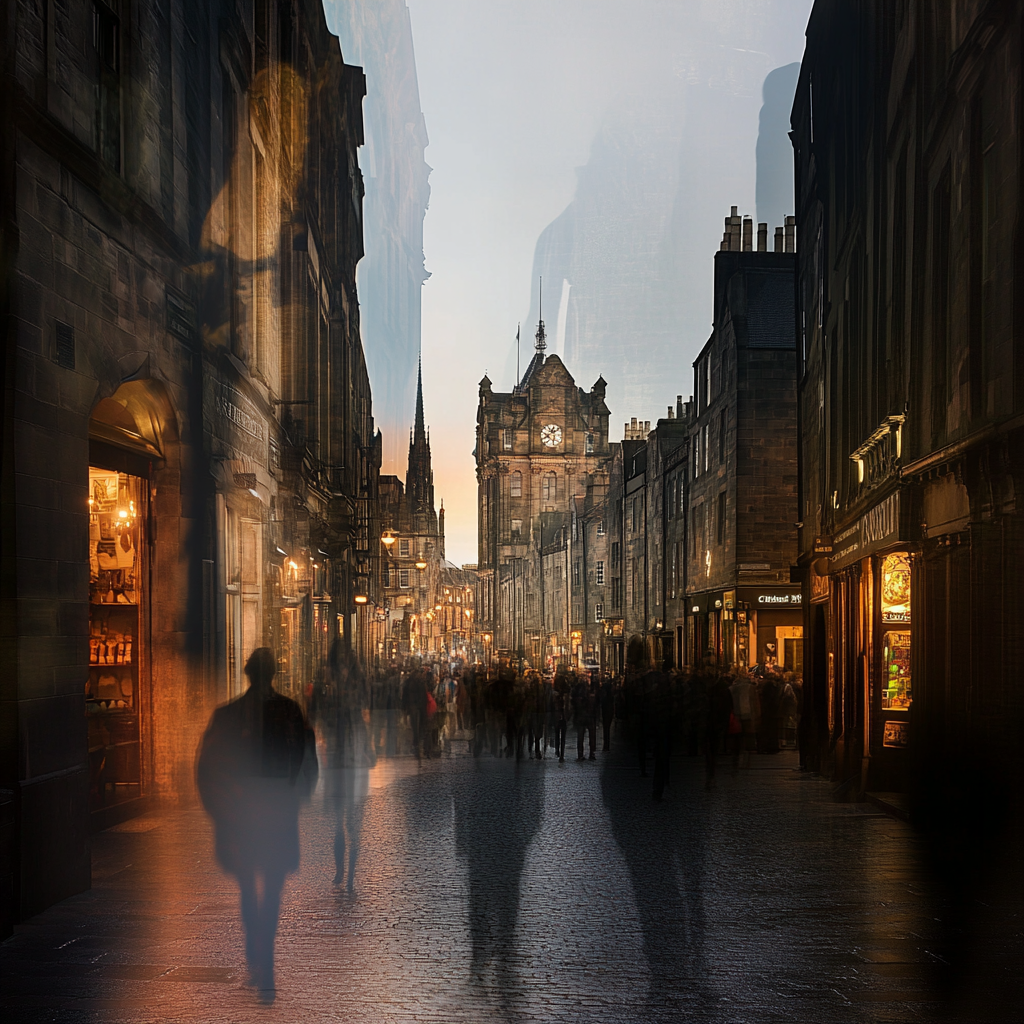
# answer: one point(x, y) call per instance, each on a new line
point(896, 734)
point(878, 527)
point(239, 423)
point(762, 598)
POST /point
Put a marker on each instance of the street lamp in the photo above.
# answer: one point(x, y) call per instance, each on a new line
point(421, 563)
point(388, 537)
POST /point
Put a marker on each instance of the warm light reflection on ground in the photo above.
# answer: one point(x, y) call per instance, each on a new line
point(494, 890)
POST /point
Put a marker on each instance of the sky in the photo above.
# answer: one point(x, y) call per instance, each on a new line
point(514, 93)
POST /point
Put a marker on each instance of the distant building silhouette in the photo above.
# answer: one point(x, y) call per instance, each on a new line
point(774, 150)
point(390, 278)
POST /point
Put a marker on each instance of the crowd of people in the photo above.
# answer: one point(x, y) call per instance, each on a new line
point(422, 708)
point(262, 754)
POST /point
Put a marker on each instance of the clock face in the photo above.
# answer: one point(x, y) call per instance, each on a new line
point(551, 435)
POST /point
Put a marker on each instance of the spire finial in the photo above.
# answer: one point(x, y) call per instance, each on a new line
point(542, 338)
point(420, 430)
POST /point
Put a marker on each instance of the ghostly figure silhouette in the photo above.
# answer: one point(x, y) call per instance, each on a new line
point(256, 765)
point(495, 822)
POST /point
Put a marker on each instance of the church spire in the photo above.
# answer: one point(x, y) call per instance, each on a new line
point(419, 481)
point(420, 430)
point(541, 337)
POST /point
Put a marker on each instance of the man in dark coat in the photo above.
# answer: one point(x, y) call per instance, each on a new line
point(256, 765)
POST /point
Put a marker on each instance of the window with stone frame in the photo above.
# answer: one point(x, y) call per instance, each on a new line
point(403, 579)
point(506, 439)
point(517, 529)
point(549, 488)
point(599, 573)
point(516, 484)
point(598, 612)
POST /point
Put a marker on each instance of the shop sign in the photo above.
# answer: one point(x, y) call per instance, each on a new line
point(823, 546)
point(896, 587)
point(819, 588)
point(878, 527)
point(896, 734)
point(762, 599)
point(241, 423)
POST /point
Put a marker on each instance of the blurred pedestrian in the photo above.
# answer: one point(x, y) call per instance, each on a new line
point(744, 707)
point(350, 756)
point(257, 763)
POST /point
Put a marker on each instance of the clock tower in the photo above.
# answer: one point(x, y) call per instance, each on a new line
point(537, 448)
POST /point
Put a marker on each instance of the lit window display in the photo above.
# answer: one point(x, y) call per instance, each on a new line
point(895, 577)
point(115, 594)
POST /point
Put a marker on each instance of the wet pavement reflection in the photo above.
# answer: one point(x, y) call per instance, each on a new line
point(493, 889)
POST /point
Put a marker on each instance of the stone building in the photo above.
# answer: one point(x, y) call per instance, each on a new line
point(742, 501)
point(537, 448)
point(189, 460)
point(907, 136)
point(413, 555)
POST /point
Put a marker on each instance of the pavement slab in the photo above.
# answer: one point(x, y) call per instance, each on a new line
point(488, 889)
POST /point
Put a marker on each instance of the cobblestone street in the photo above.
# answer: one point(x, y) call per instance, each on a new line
point(535, 891)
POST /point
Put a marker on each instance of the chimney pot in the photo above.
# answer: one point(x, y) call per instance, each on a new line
point(735, 211)
point(762, 237)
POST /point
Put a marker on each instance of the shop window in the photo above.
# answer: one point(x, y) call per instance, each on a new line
point(116, 594)
point(895, 603)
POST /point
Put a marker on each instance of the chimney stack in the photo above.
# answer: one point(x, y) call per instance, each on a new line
point(778, 240)
point(748, 234)
point(791, 234)
point(762, 237)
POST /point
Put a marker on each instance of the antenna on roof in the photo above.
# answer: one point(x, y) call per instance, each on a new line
point(518, 329)
point(542, 342)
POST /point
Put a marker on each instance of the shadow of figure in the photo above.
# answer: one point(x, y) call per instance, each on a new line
point(498, 807)
point(256, 765)
point(664, 847)
point(344, 716)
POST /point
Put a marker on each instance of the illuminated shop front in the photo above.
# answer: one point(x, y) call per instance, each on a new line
point(748, 626)
point(118, 597)
point(893, 693)
point(870, 647)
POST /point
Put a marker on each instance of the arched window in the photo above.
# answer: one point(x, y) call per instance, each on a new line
point(517, 484)
point(550, 486)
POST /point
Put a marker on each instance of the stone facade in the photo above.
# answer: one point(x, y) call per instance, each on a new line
point(189, 460)
point(537, 448)
point(908, 173)
point(742, 503)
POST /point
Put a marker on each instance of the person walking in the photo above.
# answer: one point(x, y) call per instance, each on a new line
point(563, 706)
point(350, 756)
point(257, 763)
point(607, 710)
point(744, 707)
